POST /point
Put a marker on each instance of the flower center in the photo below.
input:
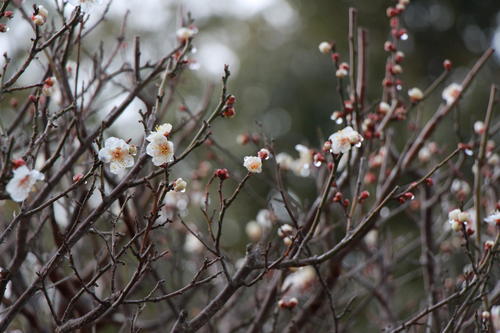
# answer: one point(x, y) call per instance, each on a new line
point(117, 154)
point(254, 165)
point(24, 181)
point(345, 141)
point(164, 148)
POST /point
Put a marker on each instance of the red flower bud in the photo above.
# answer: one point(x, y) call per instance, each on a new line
point(222, 173)
point(228, 112)
point(230, 100)
point(337, 197)
point(8, 14)
point(77, 177)
point(447, 65)
point(363, 196)
point(391, 12)
point(18, 162)
point(429, 181)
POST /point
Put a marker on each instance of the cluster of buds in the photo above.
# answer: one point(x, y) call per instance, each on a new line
point(339, 197)
point(40, 15)
point(451, 93)
point(459, 219)
point(286, 232)
point(369, 126)
point(228, 109)
point(288, 304)
point(405, 197)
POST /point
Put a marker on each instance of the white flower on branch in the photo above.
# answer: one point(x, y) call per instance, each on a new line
point(451, 93)
point(415, 95)
point(325, 47)
point(180, 185)
point(185, 33)
point(160, 148)
point(253, 164)
point(118, 154)
point(22, 183)
point(494, 218)
point(343, 140)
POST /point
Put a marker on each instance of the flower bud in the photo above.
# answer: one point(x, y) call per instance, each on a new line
point(416, 95)
point(363, 196)
point(222, 174)
point(179, 185)
point(325, 47)
point(18, 162)
point(77, 177)
point(263, 154)
point(447, 65)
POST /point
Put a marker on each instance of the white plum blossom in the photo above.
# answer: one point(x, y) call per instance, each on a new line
point(325, 47)
point(285, 230)
point(164, 129)
point(185, 33)
point(180, 185)
point(253, 164)
point(451, 93)
point(457, 218)
point(415, 94)
point(22, 183)
point(160, 149)
point(341, 73)
point(494, 218)
point(118, 154)
point(384, 108)
point(343, 140)
point(41, 17)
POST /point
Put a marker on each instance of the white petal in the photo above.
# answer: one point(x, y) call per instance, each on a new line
point(105, 155)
